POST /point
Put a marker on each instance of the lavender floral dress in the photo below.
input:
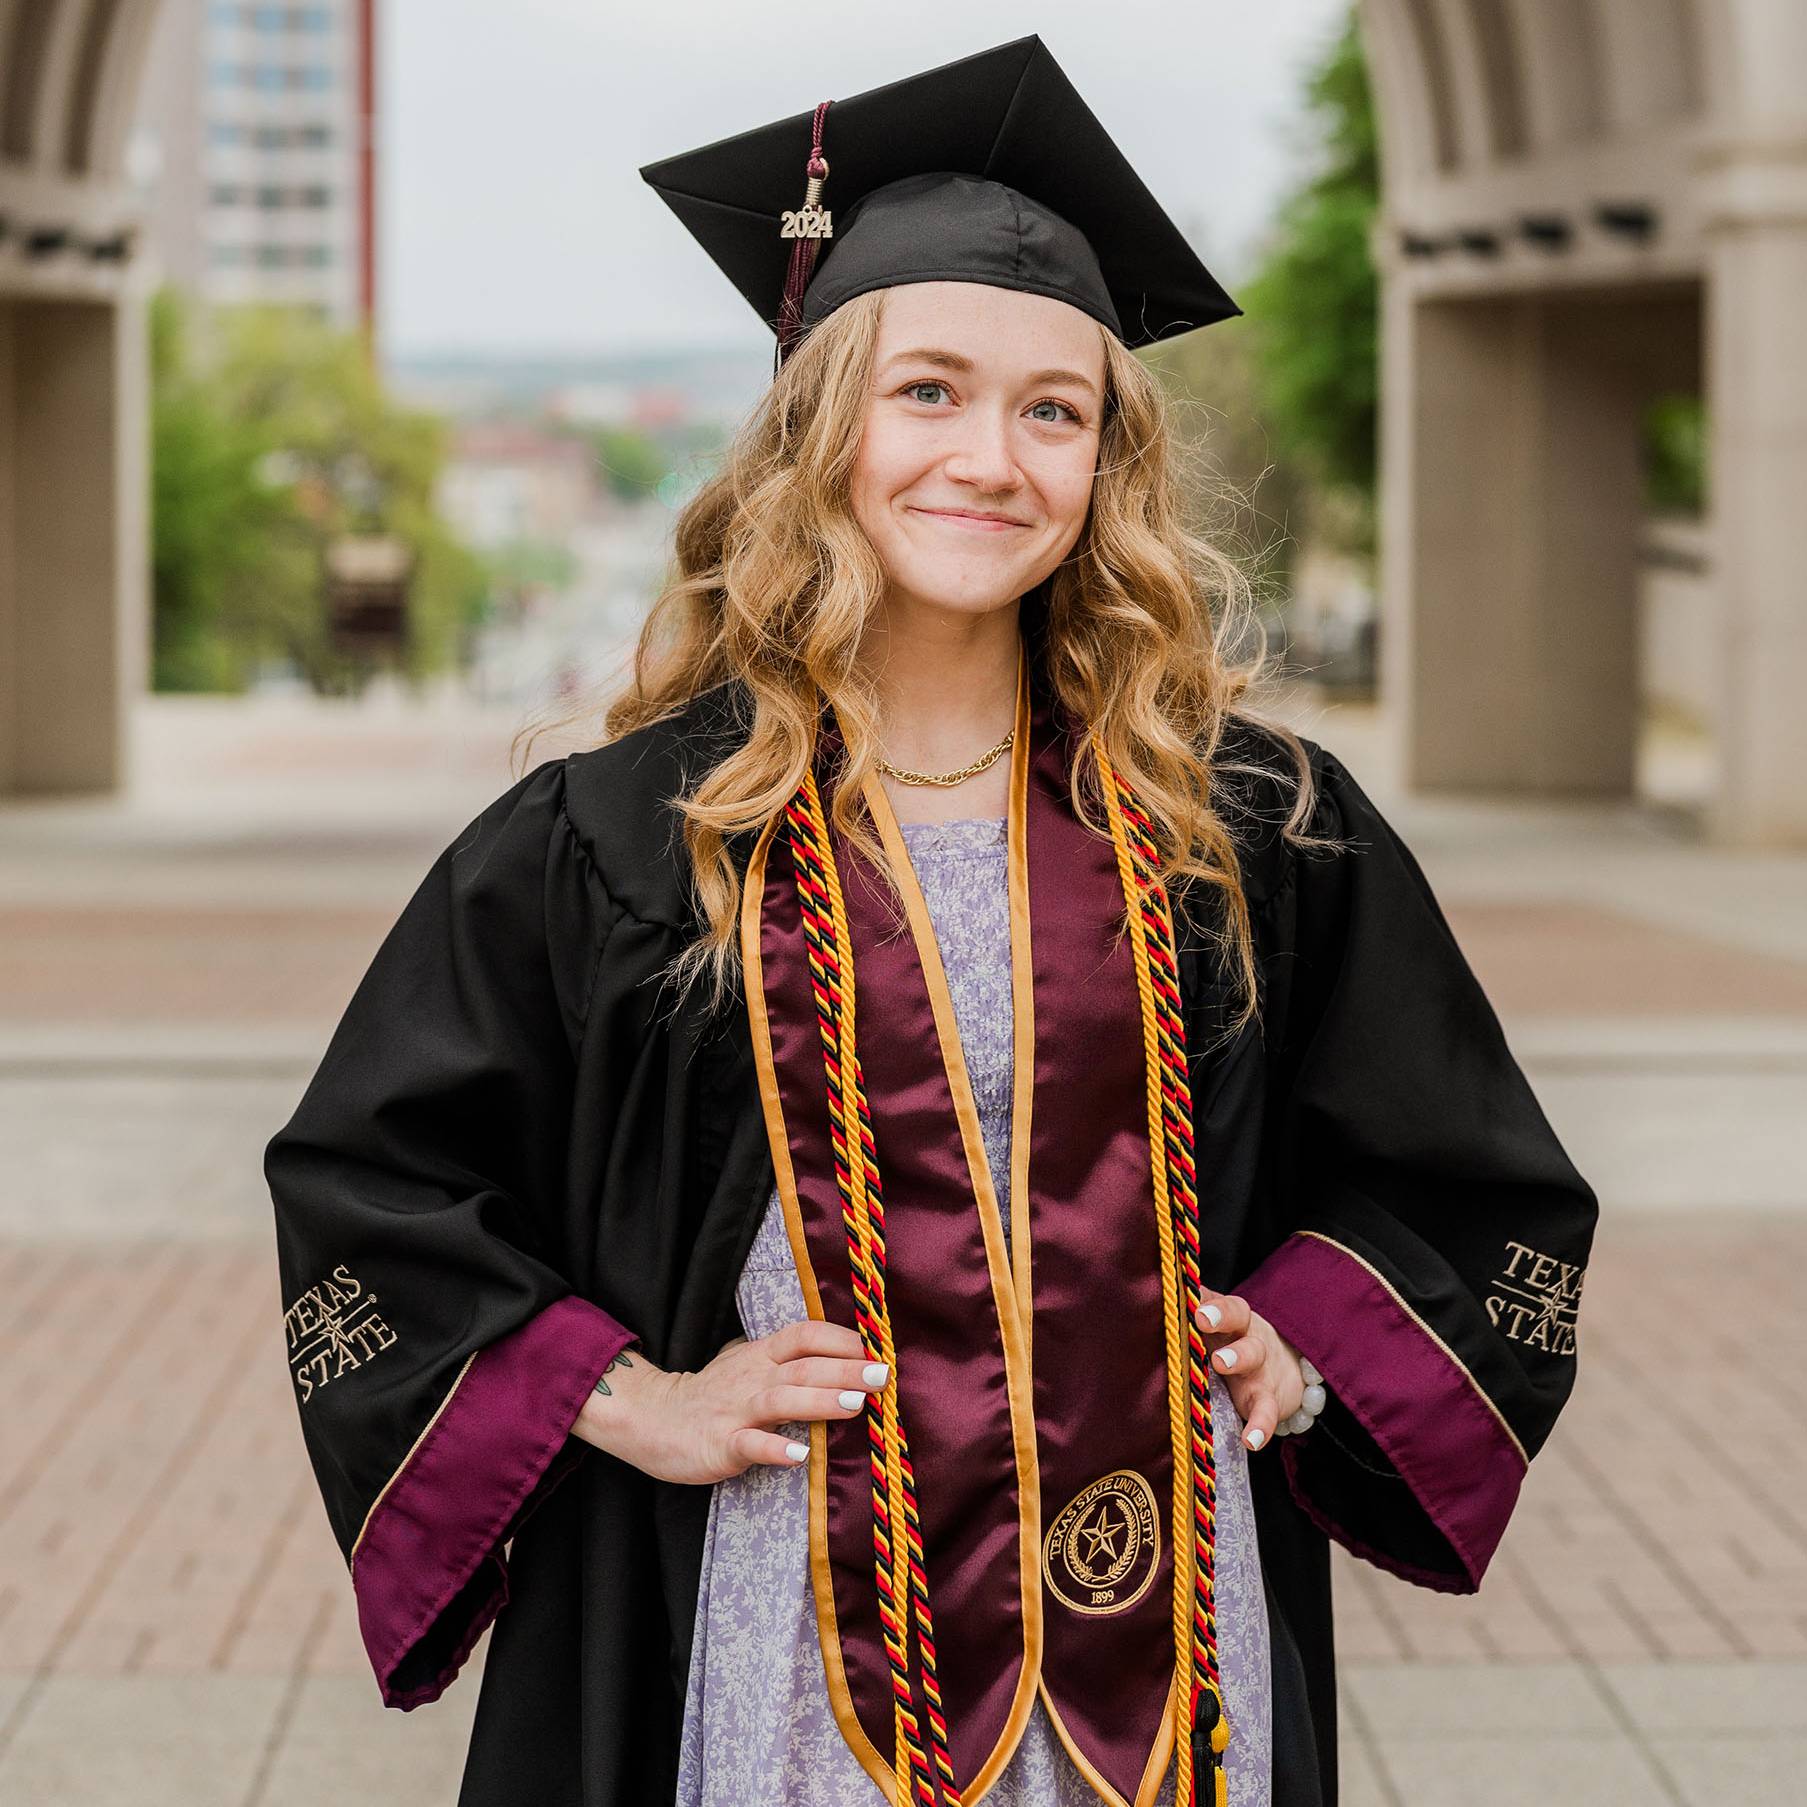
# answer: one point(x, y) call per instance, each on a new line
point(758, 1727)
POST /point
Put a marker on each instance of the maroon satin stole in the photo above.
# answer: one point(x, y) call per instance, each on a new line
point(1033, 1386)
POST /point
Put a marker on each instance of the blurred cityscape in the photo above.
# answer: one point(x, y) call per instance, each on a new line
point(207, 267)
point(1512, 438)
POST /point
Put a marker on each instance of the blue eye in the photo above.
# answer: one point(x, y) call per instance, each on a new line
point(1047, 401)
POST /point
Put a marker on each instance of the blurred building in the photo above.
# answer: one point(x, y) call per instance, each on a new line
point(74, 629)
point(509, 482)
point(1589, 204)
point(255, 145)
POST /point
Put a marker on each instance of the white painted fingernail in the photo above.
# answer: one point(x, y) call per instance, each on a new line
point(1257, 1437)
point(1226, 1358)
point(874, 1373)
point(1212, 1315)
point(797, 1451)
point(850, 1399)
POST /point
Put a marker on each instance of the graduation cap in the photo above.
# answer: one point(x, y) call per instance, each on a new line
point(989, 169)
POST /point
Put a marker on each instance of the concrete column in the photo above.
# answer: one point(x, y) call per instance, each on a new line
point(9, 587)
point(1512, 494)
point(1757, 402)
point(72, 541)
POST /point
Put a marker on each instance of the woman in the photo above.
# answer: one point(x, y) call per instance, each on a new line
point(940, 1017)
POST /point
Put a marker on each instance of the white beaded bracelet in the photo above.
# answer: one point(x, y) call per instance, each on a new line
point(1309, 1406)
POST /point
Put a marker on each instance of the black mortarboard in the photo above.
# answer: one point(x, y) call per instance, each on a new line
point(990, 169)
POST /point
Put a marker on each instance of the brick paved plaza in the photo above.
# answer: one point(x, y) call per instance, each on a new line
point(176, 1624)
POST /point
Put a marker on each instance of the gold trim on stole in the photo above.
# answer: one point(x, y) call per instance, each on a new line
point(1022, 980)
point(1011, 1281)
point(1016, 1354)
point(1154, 1770)
point(1022, 995)
point(1009, 1303)
point(1022, 1101)
point(821, 1583)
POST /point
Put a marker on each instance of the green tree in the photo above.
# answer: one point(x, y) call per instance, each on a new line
point(1675, 455)
point(1314, 302)
point(272, 436)
point(229, 550)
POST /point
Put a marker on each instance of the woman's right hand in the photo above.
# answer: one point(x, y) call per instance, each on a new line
point(707, 1425)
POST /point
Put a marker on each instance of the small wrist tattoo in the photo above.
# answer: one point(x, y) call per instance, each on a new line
point(602, 1385)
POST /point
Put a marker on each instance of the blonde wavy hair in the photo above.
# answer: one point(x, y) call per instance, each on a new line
point(775, 584)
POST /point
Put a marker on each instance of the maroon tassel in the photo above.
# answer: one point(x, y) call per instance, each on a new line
point(805, 245)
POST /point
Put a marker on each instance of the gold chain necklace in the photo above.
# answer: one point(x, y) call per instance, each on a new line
point(947, 778)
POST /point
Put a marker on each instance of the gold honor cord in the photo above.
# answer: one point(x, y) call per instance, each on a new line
point(1170, 1145)
point(900, 1567)
point(900, 1564)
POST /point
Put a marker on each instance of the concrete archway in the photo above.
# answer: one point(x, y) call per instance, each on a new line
point(73, 580)
point(1586, 203)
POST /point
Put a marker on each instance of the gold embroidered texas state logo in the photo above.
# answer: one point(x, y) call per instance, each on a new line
point(1101, 1552)
point(1535, 1300)
point(331, 1328)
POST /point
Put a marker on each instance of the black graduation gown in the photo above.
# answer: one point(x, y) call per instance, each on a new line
point(519, 1151)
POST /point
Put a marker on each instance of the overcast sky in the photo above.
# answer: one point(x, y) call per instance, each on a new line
point(513, 216)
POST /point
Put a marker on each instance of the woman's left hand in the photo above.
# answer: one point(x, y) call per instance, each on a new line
point(1258, 1364)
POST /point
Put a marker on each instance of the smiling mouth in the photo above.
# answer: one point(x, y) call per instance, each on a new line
point(985, 523)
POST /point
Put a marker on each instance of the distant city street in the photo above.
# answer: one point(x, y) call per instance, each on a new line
point(175, 1623)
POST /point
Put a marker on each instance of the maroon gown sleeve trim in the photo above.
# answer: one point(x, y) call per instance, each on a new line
point(1408, 1390)
point(427, 1568)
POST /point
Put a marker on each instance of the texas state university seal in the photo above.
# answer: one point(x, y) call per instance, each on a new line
point(1102, 1549)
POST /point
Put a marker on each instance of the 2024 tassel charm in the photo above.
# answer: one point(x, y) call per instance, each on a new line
point(805, 228)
